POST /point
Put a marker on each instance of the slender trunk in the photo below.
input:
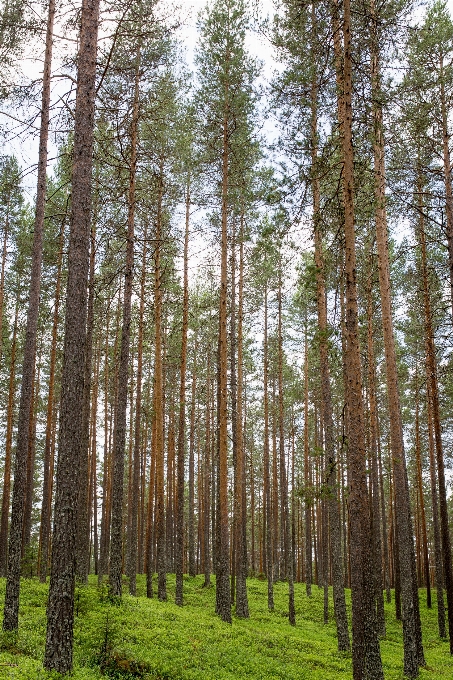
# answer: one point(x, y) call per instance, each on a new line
point(234, 412)
point(2, 276)
point(242, 607)
point(60, 608)
point(441, 533)
point(83, 520)
point(11, 609)
point(413, 649)
point(223, 594)
point(421, 496)
point(26, 536)
point(8, 451)
point(46, 507)
point(384, 521)
point(307, 480)
point(326, 395)
point(158, 390)
point(182, 416)
point(207, 480)
point(105, 524)
point(191, 527)
point(150, 524)
point(439, 576)
point(93, 502)
point(119, 437)
point(374, 486)
point(274, 499)
point(284, 508)
point(331, 461)
point(449, 214)
point(133, 535)
point(267, 537)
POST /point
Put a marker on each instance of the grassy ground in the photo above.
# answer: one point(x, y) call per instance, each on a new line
point(148, 639)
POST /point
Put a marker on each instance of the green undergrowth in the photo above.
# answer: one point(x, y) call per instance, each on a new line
point(145, 638)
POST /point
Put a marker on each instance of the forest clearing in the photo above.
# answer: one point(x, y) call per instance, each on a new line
point(226, 339)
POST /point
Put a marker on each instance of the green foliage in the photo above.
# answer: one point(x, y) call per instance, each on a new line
point(153, 640)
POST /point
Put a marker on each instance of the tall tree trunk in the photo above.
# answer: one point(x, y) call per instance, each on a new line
point(119, 437)
point(242, 607)
point(150, 524)
point(11, 610)
point(234, 411)
point(284, 508)
point(191, 523)
point(2, 276)
point(442, 547)
point(46, 507)
point(83, 520)
point(420, 493)
point(307, 482)
point(432, 377)
point(326, 394)
point(60, 608)
point(449, 214)
point(159, 405)
point(182, 415)
point(267, 517)
point(8, 450)
point(133, 536)
point(374, 481)
point(413, 648)
point(366, 656)
point(223, 594)
point(26, 535)
point(385, 537)
point(439, 577)
point(207, 478)
point(93, 500)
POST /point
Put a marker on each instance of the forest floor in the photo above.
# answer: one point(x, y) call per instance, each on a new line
point(145, 638)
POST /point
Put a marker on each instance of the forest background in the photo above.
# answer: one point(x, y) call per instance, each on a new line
point(232, 353)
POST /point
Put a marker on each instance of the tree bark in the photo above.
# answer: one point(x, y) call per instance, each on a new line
point(83, 520)
point(191, 523)
point(449, 214)
point(284, 507)
point(119, 437)
point(8, 450)
point(11, 610)
point(223, 594)
point(133, 537)
point(242, 607)
point(420, 493)
point(60, 609)
point(442, 548)
point(267, 517)
point(159, 405)
point(374, 481)
point(46, 507)
point(307, 482)
point(413, 648)
point(182, 415)
point(366, 656)
point(326, 394)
